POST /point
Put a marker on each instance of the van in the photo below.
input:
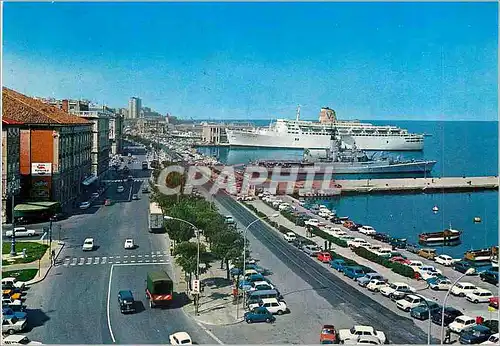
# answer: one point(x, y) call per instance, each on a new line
point(254, 297)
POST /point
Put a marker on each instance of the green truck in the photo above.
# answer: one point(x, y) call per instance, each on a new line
point(159, 288)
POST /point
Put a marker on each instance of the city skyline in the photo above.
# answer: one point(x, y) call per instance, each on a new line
point(379, 61)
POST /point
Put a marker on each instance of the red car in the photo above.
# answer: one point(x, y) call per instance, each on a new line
point(494, 302)
point(324, 257)
point(328, 335)
point(398, 259)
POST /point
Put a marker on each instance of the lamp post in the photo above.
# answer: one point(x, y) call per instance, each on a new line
point(469, 271)
point(245, 245)
point(198, 231)
point(429, 328)
point(13, 243)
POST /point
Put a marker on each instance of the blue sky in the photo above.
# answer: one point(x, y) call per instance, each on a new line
point(416, 61)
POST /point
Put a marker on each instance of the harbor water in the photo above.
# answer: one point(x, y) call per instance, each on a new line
point(460, 149)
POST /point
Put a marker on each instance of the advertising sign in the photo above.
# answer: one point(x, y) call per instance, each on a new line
point(41, 169)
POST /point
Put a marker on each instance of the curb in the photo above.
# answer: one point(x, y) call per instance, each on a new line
point(218, 324)
point(35, 281)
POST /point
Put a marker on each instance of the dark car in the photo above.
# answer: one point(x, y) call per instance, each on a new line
point(490, 276)
point(259, 314)
point(492, 325)
point(449, 315)
point(398, 243)
point(7, 313)
point(59, 216)
point(381, 236)
point(145, 190)
point(462, 266)
point(474, 335)
point(421, 312)
point(414, 248)
point(126, 301)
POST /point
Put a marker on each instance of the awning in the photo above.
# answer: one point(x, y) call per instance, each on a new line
point(34, 207)
point(89, 180)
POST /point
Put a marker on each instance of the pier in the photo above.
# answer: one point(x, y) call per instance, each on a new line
point(418, 185)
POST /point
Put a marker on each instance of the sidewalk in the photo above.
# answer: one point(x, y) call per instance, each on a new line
point(45, 264)
point(216, 305)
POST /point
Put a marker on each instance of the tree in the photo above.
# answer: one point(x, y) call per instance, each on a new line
point(228, 246)
point(186, 257)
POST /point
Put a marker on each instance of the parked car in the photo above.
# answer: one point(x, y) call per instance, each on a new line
point(95, 195)
point(19, 340)
point(259, 314)
point(474, 335)
point(398, 243)
point(120, 189)
point(421, 312)
point(84, 205)
point(427, 253)
point(462, 288)
point(450, 314)
point(324, 257)
point(8, 313)
point(439, 284)
point(364, 340)
point(126, 301)
point(11, 282)
point(21, 232)
point(479, 295)
point(492, 340)
point(273, 305)
point(261, 285)
point(13, 325)
point(257, 268)
point(355, 331)
point(399, 259)
point(180, 338)
point(368, 230)
point(490, 276)
point(328, 335)
point(413, 248)
point(354, 272)
point(338, 264)
point(492, 324)
point(462, 266)
point(375, 285)
point(357, 242)
point(88, 244)
point(494, 302)
point(462, 322)
point(409, 302)
point(312, 222)
point(381, 237)
point(12, 294)
point(444, 260)
point(394, 287)
point(311, 250)
point(289, 236)
point(364, 280)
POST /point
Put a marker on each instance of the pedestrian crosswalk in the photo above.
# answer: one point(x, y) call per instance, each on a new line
point(160, 257)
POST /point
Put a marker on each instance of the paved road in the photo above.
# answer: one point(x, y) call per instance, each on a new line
point(337, 293)
point(70, 305)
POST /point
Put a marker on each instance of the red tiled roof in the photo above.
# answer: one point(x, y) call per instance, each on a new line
point(24, 109)
point(7, 121)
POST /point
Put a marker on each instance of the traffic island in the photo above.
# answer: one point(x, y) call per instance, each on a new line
point(26, 252)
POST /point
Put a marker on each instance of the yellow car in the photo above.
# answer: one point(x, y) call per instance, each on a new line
point(11, 294)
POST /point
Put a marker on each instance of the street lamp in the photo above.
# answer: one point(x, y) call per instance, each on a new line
point(13, 243)
point(245, 244)
point(166, 217)
point(469, 271)
point(429, 329)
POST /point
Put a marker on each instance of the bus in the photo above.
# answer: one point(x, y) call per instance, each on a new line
point(155, 217)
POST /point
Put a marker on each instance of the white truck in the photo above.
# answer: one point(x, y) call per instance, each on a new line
point(155, 217)
point(21, 232)
point(356, 331)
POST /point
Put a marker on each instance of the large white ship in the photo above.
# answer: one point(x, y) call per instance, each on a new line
point(300, 134)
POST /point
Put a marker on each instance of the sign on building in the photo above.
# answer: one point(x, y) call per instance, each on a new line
point(41, 169)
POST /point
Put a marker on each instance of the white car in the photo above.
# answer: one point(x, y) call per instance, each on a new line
point(95, 195)
point(415, 264)
point(461, 289)
point(364, 340)
point(129, 244)
point(479, 295)
point(120, 189)
point(19, 340)
point(462, 322)
point(84, 205)
point(428, 275)
point(356, 331)
point(375, 285)
point(396, 287)
point(12, 282)
point(260, 285)
point(290, 236)
point(88, 244)
point(284, 206)
point(409, 302)
point(368, 230)
point(492, 340)
point(272, 305)
point(180, 338)
point(444, 260)
point(21, 232)
point(384, 252)
point(357, 242)
point(312, 222)
point(440, 285)
point(427, 268)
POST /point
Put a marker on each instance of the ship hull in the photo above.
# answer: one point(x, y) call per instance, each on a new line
point(359, 168)
point(285, 140)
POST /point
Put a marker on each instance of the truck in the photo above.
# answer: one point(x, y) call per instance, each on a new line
point(159, 288)
point(155, 217)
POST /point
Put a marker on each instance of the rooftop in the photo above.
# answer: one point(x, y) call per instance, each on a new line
point(7, 121)
point(24, 109)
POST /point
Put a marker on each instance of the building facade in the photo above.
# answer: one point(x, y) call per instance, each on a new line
point(116, 134)
point(11, 179)
point(55, 150)
point(134, 108)
point(99, 118)
point(67, 105)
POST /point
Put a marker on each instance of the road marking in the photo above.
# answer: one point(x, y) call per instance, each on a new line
point(209, 333)
point(140, 255)
point(117, 257)
point(104, 260)
point(66, 261)
point(117, 262)
point(130, 194)
point(125, 261)
point(146, 255)
point(109, 300)
point(158, 252)
point(89, 260)
point(73, 261)
point(110, 257)
point(96, 260)
point(133, 256)
point(155, 260)
point(132, 261)
point(139, 261)
point(160, 255)
point(125, 256)
point(82, 260)
point(153, 255)
point(165, 252)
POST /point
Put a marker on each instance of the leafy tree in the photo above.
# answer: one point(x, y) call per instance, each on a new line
point(228, 246)
point(186, 257)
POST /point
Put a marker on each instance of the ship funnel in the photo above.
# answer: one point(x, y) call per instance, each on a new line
point(327, 115)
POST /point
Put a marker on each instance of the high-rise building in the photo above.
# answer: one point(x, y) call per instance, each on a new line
point(134, 108)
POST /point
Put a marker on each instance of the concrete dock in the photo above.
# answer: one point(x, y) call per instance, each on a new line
point(418, 185)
